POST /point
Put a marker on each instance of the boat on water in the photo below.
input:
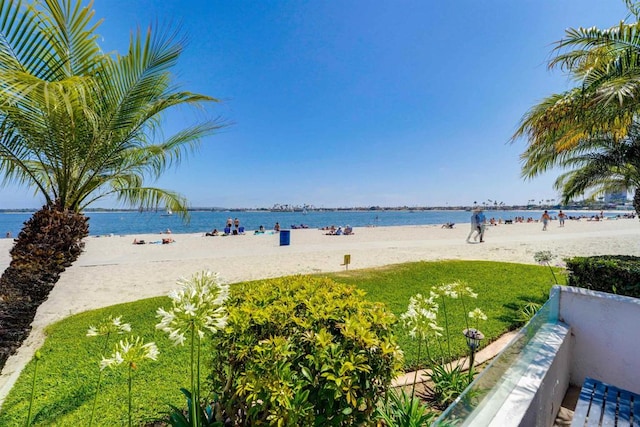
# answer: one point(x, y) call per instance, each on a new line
point(169, 212)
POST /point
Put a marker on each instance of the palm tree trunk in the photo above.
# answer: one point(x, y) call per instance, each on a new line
point(49, 242)
point(636, 200)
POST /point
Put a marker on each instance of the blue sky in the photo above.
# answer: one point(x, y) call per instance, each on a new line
point(357, 103)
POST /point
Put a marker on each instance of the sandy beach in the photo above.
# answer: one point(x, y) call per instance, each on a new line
point(112, 270)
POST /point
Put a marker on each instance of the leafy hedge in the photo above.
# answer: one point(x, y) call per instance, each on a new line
point(618, 274)
point(304, 351)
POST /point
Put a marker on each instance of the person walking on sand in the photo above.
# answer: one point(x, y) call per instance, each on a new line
point(561, 218)
point(475, 226)
point(545, 220)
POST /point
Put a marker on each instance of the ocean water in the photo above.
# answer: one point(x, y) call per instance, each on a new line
point(118, 223)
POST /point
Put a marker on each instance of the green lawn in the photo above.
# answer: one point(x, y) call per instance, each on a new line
point(502, 289)
point(68, 369)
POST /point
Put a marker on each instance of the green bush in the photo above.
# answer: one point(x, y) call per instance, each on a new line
point(618, 274)
point(304, 351)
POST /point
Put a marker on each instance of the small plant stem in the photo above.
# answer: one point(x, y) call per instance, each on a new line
point(426, 345)
point(192, 358)
point(415, 376)
point(446, 326)
point(198, 365)
point(130, 383)
point(441, 351)
point(33, 390)
point(197, 395)
point(195, 421)
point(464, 311)
point(95, 397)
point(552, 273)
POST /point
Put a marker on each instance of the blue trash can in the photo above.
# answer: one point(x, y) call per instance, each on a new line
point(285, 236)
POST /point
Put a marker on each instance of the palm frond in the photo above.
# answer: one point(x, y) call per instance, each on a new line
point(79, 125)
point(23, 44)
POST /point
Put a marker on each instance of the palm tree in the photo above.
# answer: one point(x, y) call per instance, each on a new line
point(608, 166)
point(78, 125)
point(573, 124)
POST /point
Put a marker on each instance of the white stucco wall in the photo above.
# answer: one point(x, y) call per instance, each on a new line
point(530, 392)
point(536, 399)
point(588, 334)
point(606, 336)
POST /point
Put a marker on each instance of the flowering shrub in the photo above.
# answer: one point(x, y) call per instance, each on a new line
point(128, 353)
point(304, 351)
point(421, 318)
point(196, 308)
point(107, 327)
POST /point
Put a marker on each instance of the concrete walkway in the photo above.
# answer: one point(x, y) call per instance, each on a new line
point(484, 355)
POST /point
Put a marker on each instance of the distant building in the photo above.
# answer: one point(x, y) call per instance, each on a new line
point(617, 197)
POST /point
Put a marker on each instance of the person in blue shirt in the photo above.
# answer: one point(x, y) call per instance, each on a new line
point(475, 225)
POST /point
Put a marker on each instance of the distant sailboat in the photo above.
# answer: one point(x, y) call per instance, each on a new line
point(168, 213)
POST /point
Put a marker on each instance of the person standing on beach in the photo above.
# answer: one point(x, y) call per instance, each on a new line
point(545, 220)
point(229, 223)
point(561, 218)
point(236, 223)
point(482, 224)
point(474, 226)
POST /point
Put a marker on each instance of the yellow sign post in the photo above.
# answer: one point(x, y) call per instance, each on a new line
point(347, 261)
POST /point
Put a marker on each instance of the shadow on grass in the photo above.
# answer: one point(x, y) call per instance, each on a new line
point(67, 404)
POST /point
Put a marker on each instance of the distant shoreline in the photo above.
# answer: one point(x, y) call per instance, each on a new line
point(362, 209)
point(105, 223)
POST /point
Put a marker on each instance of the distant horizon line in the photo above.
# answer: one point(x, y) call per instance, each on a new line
point(580, 205)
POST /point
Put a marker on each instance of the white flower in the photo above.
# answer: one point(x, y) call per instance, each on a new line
point(469, 292)
point(152, 351)
point(456, 290)
point(448, 290)
point(111, 362)
point(420, 317)
point(108, 326)
point(437, 330)
point(131, 353)
point(543, 257)
point(176, 337)
point(189, 309)
point(197, 306)
point(477, 314)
